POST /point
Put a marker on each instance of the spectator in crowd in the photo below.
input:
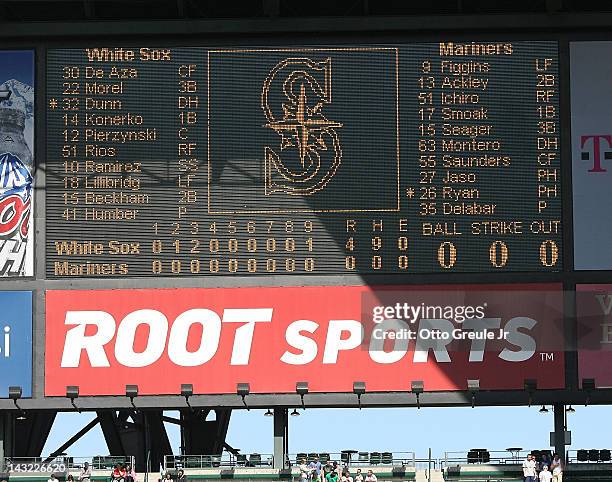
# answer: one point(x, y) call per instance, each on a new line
point(168, 476)
point(130, 474)
point(118, 474)
point(304, 470)
point(315, 468)
point(358, 476)
point(545, 475)
point(85, 475)
point(346, 475)
point(328, 468)
point(556, 467)
point(332, 476)
point(52, 478)
point(180, 476)
point(546, 460)
point(70, 478)
point(529, 469)
point(371, 477)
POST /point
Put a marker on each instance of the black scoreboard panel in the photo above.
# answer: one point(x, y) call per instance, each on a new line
point(408, 158)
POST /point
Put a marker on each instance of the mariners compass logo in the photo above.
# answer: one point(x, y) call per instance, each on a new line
point(309, 151)
point(303, 130)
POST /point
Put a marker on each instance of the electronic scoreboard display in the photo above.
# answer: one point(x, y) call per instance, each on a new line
point(408, 158)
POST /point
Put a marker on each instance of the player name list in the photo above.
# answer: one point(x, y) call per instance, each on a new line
point(142, 182)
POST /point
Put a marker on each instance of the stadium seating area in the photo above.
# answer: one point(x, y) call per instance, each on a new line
point(509, 473)
point(352, 457)
point(104, 463)
point(386, 465)
point(476, 465)
point(37, 469)
point(480, 465)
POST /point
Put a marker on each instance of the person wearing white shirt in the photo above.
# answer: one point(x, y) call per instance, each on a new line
point(303, 470)
point(557, 469)
point(529, 469)
point(371, 477)
point(85, 475)
point(545, 475)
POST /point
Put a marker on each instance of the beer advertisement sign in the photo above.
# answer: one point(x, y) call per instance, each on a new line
point(16, 163)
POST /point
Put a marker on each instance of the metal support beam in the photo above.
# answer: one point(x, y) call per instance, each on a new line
point(492, 398)
point(158, 443)
point(559, 412)
point(231, 449)
point(110, 429)
point(175, 421)
point(3, 445)
point(31, 434)
point(75, 438)
point(6, 436)
point(281, 437)
point(201, 436)
point(144, 437)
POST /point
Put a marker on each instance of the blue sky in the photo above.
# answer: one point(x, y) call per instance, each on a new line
point(17, 64)
point(397, 430)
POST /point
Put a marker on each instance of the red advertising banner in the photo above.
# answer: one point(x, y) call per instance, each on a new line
point(594, 313)
point(329, 336)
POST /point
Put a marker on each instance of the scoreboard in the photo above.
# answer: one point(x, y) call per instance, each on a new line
point(406, 158)
point(317, 186)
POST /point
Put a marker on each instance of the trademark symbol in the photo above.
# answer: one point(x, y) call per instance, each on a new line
point(546, 357)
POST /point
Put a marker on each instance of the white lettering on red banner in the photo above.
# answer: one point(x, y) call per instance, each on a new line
point(275, 337)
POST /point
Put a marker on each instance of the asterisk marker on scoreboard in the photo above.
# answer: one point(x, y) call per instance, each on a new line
point(410, 192)
point(53, 103)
